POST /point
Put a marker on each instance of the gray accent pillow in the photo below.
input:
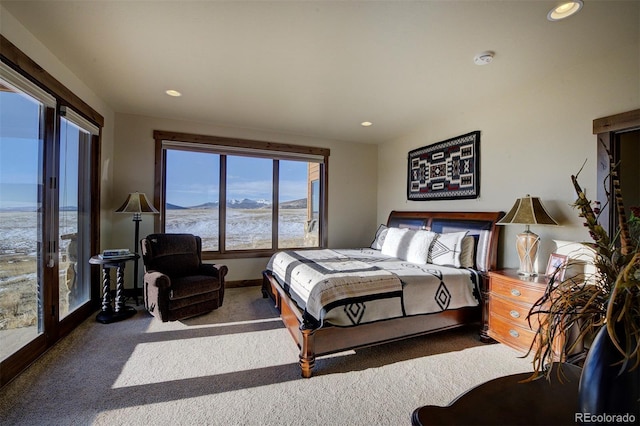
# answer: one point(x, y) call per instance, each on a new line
point(378, 240)
point(446, 249)
point(467, 257)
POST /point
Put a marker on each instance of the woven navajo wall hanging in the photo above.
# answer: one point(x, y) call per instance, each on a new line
point(445, 170)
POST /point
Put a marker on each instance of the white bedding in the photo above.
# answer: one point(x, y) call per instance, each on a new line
point(355, 286)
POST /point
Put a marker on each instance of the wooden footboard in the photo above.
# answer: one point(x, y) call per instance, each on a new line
point(327, 340)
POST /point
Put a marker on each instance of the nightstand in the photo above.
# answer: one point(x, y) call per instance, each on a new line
point(511, 296)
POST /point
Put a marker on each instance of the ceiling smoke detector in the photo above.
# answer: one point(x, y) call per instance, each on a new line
point(483, 58)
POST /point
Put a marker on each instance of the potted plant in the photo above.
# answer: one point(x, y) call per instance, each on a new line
point(601, 310)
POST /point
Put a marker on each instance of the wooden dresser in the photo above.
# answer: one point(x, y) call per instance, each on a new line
point(511, 296)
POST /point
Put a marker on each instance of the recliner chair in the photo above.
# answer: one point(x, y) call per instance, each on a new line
point(177, 284)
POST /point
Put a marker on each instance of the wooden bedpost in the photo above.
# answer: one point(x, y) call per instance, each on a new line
point(307, 351)
point(266, 284)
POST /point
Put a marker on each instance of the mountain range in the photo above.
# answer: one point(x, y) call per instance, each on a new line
point(245, 204)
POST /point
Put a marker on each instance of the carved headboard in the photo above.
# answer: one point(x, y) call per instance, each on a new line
point(480, 225)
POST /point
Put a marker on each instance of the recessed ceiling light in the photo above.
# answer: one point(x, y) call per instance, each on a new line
point(564, 10)
point(174, 93)
point(366, 124)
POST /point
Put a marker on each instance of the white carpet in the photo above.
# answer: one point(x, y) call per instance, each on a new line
point(239, 366)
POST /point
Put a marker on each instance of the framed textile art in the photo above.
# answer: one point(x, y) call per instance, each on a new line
point(445, 170)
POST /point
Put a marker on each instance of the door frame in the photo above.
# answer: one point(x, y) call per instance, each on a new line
point(608, 129)
point(54, 328)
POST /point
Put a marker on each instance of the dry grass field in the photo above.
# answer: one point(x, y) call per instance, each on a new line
point(18, 302)
point(18, 291)
point(245, 229)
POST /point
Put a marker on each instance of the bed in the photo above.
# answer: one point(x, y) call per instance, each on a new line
point(424, 272)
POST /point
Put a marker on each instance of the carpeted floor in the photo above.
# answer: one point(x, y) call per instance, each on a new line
point(238, 366)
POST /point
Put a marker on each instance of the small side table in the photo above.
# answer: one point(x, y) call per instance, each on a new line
point(108, 313)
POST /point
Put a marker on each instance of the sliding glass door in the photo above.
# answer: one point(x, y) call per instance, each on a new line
point(74, 216)
point(22, 129)
point(48, 220)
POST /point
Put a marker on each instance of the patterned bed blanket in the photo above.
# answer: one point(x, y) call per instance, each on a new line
point(355, 286)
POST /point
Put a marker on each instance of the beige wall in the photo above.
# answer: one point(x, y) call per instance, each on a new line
point(352, 182)
point(532, 141)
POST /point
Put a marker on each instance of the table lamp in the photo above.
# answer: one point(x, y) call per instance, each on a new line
point(137, 204)
point(527, 211)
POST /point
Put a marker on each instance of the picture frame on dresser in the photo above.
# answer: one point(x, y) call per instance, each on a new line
point(556, 265)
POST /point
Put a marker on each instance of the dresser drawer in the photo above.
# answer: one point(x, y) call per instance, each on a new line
point(512, 312)
point(510, 333)
point(516, 291)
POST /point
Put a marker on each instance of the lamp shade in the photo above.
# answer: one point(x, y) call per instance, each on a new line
point(528, 211)
point(137, 202)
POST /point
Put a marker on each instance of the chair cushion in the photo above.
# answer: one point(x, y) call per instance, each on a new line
point(192, 285)
point(193, 309)
point(173, 254)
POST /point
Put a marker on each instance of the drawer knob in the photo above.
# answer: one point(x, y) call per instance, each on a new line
point(514, 333)
point(516, 292)
point(515, 314)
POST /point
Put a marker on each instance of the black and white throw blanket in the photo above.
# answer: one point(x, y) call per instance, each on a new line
point(355, 286)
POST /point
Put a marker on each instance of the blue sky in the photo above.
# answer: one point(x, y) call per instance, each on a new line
point(21, 154)
point(19, 151)
point(193, 178)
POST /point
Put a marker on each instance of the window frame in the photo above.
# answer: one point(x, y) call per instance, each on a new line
point(246, 147)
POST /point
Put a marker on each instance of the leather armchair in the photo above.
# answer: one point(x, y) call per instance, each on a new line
point(177, 284)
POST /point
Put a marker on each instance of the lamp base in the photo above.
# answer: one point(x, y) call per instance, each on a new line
point(527, 246)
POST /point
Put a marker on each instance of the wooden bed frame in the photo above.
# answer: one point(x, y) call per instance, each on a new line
point(331, 339)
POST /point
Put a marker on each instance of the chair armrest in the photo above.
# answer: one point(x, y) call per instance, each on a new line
point(157, 279)
point(218, 271)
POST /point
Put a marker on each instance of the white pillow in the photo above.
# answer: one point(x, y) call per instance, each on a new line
point(467, 257)
point(446, 249)
point(378, 240)
point(396, 241)
point(419, 247)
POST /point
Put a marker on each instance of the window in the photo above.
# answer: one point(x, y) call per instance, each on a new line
point(241, 196)
point(74, 210)
point(297, 227)
point(191, 195)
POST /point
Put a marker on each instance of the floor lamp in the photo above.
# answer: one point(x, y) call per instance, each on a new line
point(527, 211)
point(137, 204)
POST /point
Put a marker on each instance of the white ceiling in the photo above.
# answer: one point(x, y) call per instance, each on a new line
point(317, 68)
